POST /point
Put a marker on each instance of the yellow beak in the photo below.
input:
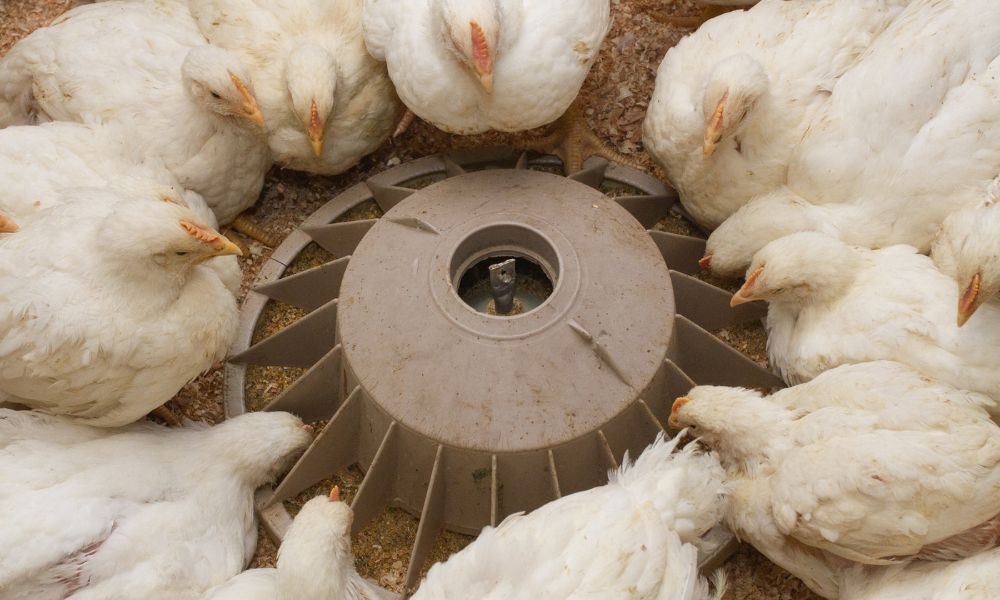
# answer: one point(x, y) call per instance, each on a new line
point(218, 244)
point(969, 301)
point(226, 247)
point(745, 293)
point(316, 141)
point(486, 80)
point(7, 225)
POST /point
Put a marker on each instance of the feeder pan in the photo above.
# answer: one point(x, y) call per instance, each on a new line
point(497, 340)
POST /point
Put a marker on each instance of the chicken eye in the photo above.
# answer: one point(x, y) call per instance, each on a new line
point(181, 253)
point(216, 96)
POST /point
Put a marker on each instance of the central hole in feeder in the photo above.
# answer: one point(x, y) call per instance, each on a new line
point(492, 287)
point(505, 269)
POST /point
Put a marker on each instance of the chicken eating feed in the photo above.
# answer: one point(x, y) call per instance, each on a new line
point(498, 339)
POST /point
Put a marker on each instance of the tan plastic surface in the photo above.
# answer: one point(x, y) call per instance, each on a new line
point(463, 418)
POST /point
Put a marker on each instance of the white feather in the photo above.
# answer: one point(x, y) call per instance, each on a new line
point(629, 539)
point(100, 318)
point(305, 50)
point(872, 463)
point(141, 512)
point(151, 71)
point(542, 53)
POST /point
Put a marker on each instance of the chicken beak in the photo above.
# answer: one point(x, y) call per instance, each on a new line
point(482, 59)
point(334, 494)
point(705, 262)
point(225, 247)
point(218, 244)
point(713, 133)
point(486, 80)
point(250, 109)
point(7, 225)
point(969, 301)
point(315, 130)
point(674, 420)
point(745, 293)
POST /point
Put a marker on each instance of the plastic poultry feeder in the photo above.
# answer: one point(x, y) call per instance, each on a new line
point(498, 339)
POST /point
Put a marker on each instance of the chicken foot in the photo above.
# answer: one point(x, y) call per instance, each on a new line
point(573, 141)
point(709, 11)
point(249, 228)
point(167, 416)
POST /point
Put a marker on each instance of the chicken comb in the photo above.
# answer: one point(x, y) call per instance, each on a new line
point(965, 303)
point(202, 234)
point(752, 279)
point(313, 117)
point(713, 133)
point(480, 48)
point(334, 494)
point(240, 86)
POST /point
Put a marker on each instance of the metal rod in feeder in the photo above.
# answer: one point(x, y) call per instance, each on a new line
point(503, 285)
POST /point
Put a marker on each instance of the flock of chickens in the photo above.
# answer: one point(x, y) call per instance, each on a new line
point(829, 144)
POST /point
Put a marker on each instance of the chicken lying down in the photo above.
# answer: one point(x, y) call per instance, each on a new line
point(469, 66)
point(974, 578)
point(326, 101)
point(106, 307)
point(314, 561)
point(150, 70)
point(967, 248)
point(871, 463)
point(140, 512)
point(886, 164)
point(733, 99)
point(831, 304)
point(40, 163)
point(634, 538)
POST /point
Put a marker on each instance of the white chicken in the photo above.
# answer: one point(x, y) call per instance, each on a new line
point(886, 164)
point(871, 463)
point(734, 98)
point(630, 539)
point(967, 248)
point(141, 512)
point(105, 308)
point(314, 561)
point(39, 163)
point(183, 101)
point(469, 66)
point(831, 304)
point(327, 102)
point(974, 578)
